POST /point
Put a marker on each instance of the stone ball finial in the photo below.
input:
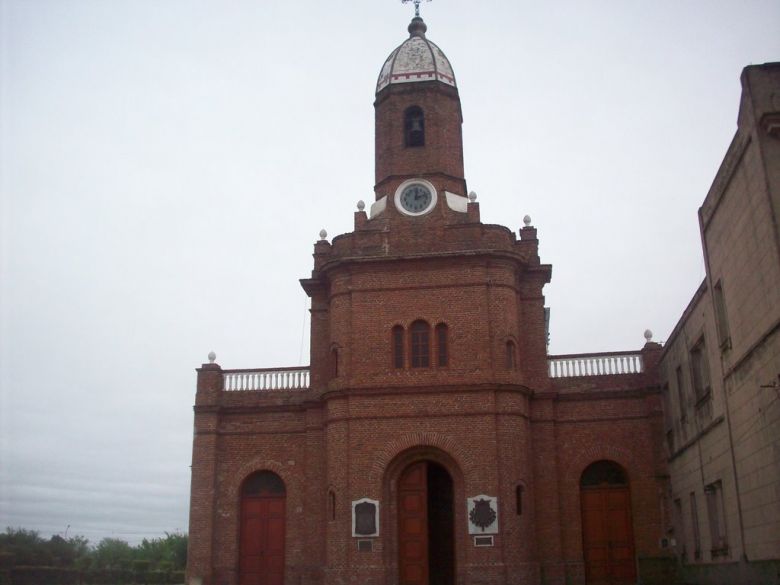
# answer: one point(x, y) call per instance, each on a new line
point(361, 205)
point(473, 196)
point(648, 335)
point(527, 221)
point(323, 234)
point(212, 357)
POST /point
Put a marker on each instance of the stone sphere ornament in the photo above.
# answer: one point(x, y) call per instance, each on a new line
point(323, 234)
point(473, 196)
point(648, 335)
point(527, 221)
point(361, 205)
point(212, 357)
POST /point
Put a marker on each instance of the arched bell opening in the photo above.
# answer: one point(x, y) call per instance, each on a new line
point(414, 127)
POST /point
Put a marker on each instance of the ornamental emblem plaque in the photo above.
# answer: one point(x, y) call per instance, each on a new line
point(483, 514)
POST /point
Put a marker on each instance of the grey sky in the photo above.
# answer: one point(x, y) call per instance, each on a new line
point(166, 166)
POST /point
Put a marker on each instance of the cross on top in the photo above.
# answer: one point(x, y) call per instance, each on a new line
point(416, 5)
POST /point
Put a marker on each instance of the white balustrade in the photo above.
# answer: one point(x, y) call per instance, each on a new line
point(601, 364)
point(267, 379)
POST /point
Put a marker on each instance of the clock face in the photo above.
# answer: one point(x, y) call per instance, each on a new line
point(416, 198)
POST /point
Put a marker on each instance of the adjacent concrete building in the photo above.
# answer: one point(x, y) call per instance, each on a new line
point(720, 368)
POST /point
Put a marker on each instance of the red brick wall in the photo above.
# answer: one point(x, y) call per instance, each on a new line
point(441, 159)
point(356, 443)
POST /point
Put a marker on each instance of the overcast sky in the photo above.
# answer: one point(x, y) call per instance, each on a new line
point(166, 166)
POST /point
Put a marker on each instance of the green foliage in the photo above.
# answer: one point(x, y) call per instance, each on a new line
point(28, 559)
point(165, 553)
point(21, 547)
point(26, 546)
point(44, 575)
point(112, 553)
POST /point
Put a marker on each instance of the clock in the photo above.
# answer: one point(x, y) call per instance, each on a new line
point(415, 197)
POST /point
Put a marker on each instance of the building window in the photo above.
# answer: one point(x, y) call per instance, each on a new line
point(519, 500)
point(441, 345)
point(717, 518)
point(421, 344)
point(724, 336)
point(695, 528)
point(510, 360)
point(679, 527)
point(700, 371)
point(414, 127)
point(398, 346)
point(332, 505)
point(681, 392)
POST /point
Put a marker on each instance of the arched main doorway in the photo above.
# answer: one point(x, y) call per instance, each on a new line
point(261, 550)
point(426, 543)
point(607, 534)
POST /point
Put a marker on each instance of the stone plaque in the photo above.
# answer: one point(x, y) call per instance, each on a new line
point(365, 518)
point(483, 540)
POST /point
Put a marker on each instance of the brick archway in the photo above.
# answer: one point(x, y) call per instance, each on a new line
point(591, 454)
point(229, 510)
point(447, 475)
point(417, 444)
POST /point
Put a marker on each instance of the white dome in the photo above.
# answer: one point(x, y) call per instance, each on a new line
point(416, 59)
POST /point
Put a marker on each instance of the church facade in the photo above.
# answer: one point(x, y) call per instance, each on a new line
point(432, 440)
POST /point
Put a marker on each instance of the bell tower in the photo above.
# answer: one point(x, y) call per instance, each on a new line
point(418, 118)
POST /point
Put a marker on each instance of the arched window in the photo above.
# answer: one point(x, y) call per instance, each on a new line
point(442, 355)
point(421, 345)
point(398, 346)
point(414, 127)
point(511, 356)
point(603, 473)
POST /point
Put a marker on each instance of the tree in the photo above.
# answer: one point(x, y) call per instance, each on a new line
point(170, 551)
point(111, 553)
point(26, 546)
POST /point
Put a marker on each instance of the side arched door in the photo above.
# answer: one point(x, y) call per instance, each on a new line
point(607, 532)
point(261, 550)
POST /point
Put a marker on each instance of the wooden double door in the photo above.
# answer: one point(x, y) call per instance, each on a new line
point(261, 550)
point(608, 540)
point(426, 539)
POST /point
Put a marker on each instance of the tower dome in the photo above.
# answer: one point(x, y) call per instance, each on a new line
point(416, 59)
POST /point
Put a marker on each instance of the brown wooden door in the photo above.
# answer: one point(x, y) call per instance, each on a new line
point(413, 525)
point(608, 539)
point(261, 559)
